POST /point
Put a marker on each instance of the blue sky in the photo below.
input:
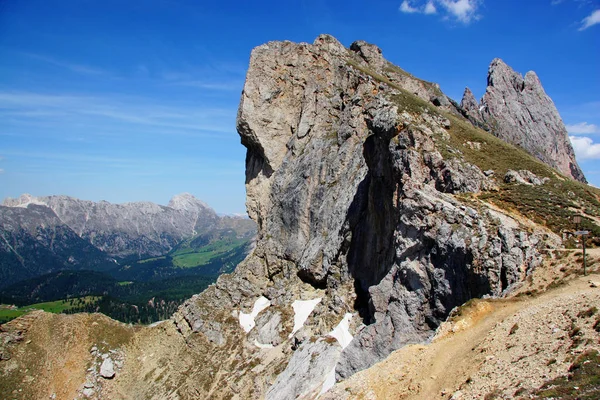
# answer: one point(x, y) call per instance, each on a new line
point(126, 101)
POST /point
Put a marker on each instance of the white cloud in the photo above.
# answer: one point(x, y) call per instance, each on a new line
point(590, 20)
point(21, 107)
point(405, 7)
point(430, 8)
point(585, 148)
point(1, 171)
point(463, 11)
point(77, 68)
point(583, 128)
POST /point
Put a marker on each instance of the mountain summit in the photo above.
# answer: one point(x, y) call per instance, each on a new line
point(519, 111)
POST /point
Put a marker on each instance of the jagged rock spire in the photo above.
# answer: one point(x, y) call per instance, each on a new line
point(519, 111)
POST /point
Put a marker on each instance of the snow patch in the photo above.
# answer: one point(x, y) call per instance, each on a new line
point(342, 331)
point(302, 309)
point(263, 346)
point(157, 323)
point(247, 320)
point(329, 381)
point(342, 334)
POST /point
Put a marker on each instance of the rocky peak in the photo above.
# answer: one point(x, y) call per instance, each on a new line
point(370, 53)
point(519, 111)
point(22, 201)
point(471, 109)
point(468, 102)
point(354, 206)
point(186, 201)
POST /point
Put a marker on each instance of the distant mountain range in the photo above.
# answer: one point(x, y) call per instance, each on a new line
point(42, 237)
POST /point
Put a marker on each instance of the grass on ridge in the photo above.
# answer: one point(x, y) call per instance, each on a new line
point(553, 204)
point(56, 307)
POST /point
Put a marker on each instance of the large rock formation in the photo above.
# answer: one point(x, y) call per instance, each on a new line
point(357, 212)
point(348, 187)
point(519, 111)
point(370, 231)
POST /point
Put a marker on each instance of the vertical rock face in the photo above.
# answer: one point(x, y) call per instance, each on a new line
point(352, 197)
point(519, 111)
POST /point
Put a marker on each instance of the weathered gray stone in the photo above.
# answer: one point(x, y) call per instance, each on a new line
point(269, 328)
point(306, 371)
point(107, 369)
point(524, 177)
point(519, 111)
point(356, 205)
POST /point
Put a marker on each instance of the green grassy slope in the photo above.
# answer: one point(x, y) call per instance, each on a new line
point(7, 313)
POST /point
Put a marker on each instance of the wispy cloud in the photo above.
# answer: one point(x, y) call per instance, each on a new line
point(27, 108)
point(583, 128)
point(73, 67)
point(590, 20)
point(216, 86)
point(464, 11)
point(585, 148)
point(1, 171)
point(39, 163)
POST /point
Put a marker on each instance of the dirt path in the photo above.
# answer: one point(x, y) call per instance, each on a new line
point(478, 344)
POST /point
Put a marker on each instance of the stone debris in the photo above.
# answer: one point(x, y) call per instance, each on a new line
point(107, 369)
point(524, 177)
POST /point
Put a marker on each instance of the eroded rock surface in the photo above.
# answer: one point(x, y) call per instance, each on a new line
point(519, 111)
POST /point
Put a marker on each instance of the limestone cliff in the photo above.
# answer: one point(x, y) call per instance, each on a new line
point(371, 195)
point(349, 190)
point(519, 111)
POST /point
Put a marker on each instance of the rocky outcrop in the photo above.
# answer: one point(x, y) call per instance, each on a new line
point(347, 187)
point(524, 177)
point(519, 111)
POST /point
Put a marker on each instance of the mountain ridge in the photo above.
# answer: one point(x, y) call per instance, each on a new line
point(106, 232)
point(122, 229)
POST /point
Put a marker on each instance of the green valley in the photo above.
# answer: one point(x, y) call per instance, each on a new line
point(141, 291)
